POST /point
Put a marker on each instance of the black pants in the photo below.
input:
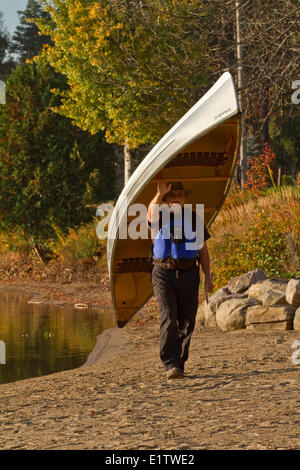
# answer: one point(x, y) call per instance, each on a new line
point(177, 297)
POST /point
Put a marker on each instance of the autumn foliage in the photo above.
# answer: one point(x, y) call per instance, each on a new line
point(260, 172)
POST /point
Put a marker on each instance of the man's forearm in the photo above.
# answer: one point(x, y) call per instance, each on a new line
point(152, 215)
point(204, 260)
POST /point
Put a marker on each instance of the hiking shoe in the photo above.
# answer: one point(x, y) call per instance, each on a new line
point(174, 373)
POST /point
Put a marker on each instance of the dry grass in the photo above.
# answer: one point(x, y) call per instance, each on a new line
point(237, 218)
point(259, 233)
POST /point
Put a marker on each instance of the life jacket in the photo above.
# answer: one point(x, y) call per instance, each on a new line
point(167, 242)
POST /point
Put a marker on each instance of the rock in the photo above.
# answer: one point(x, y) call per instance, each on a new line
point(268, 295)
point(216, 297)
point(241, 295)
point(297, 319)
point(200, 318)
point(211, 308)
point(213, 303)
point(261, 314)
point(257, 289)
point(35, 300)
point(209, 315)
point(231, 314)
point(241, 283)
point(273, 326)
point(293, 292)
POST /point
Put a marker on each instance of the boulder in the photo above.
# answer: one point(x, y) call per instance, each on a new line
point(200, 318)
point(297, 319)
point(268, 296)
point(261, 314)
point(210, 310)
point(217, 297)
point(231, 314)
point(293, 292)
point(274, 326)
point(209, 315)
point(213, 303)
point(269, 291)
point(241, 283)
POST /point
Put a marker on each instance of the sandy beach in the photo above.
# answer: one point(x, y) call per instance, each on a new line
point(241, 391)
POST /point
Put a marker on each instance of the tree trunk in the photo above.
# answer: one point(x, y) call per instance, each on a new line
point(127, 162)
point(279, 176)
point(293, 168)
point(119, 169)
point(239, 56)
point(265, 117)
point(40, 253)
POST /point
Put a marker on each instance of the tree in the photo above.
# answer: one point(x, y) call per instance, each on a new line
point(27, 40)
point(270, 44)
point(50, 171)
point(134, 67)
point(284, 131)
point(6, 62)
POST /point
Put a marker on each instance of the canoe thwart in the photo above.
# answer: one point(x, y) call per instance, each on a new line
point(199, 159)
point(133, 265)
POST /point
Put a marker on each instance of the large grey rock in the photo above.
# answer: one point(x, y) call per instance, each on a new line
point(209, 315)
point(273, 326)
point(231, 314)
point(214, 301)
point(217, 297)
point(211, 310)
point(297, 319)
point(241, 283)
point(200, 318)
point(268, 295)
point(293, 292)
point(261, 314)
point(259, 289)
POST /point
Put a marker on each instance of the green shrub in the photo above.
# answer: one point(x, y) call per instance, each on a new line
point(79, 243)
point(259, 234)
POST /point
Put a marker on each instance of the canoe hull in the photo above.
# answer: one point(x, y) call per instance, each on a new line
point(201, 150)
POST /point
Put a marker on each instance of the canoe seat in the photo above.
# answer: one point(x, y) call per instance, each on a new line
point(133, 265)
point(199, 159)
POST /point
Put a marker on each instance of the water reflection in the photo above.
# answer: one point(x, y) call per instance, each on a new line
point(41, 339)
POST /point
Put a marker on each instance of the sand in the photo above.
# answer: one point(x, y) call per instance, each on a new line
point(241, 391)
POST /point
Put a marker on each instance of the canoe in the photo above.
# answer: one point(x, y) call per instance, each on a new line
point(201, 151)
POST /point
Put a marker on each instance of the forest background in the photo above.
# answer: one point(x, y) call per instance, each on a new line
point(91, 86)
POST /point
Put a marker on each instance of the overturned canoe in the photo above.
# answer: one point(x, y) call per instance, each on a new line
point(201, 150)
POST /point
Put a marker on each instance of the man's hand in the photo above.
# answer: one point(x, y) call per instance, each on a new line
point(208, 283)
point(163, 188)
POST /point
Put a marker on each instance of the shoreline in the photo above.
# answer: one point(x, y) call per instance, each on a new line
point(107, 347)
point(241, 391)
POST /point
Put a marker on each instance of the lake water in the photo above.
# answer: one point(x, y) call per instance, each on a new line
point(42, 338)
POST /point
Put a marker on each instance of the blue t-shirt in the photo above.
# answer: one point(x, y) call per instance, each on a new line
point(175, 235)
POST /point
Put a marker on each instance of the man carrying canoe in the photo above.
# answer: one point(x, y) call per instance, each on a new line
point(175, 275)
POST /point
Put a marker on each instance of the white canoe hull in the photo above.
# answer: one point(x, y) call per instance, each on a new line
point(201, 150)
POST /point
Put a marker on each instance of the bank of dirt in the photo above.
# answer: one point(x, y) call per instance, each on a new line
point(241, 391)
